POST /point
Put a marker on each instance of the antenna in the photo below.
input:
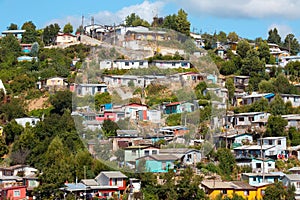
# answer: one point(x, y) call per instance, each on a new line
point(82, 20)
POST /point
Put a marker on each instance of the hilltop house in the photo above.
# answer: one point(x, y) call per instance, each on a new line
point(256, 179)
point(241, 82)
point(132, 153)
point(246, 119)
point(90, 89)
point(112, 178)
point(65, 38)
point(172, 64)
point(293, 98)
point(179, 107)
point(156, 163)
point(294, 180)
point(129, 64)
point(31, 121)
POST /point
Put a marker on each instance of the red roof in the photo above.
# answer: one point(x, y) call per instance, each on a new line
point(173, 104)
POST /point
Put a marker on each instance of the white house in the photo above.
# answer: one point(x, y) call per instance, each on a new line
point(172, 64)
point(249, 99)
point(32, 121)
point(246, 119)
point(259, 165)
point(65, 38)
point(279, 144)
point(293, 120)
point(132, 110)
point(90, 89)
point(130, 64)
point(187, 156)
point(292, 179)
point(293, 98)
point(221, 93)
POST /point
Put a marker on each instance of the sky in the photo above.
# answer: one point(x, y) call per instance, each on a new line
point(248, 18)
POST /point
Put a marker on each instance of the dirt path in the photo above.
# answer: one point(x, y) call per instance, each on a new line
point(38, 103)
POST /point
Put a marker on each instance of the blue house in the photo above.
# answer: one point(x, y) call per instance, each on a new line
point(256, 179)
point(156, 163)
point(179, 107)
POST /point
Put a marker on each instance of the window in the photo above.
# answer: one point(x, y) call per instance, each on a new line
point(126, 63)
point(133, 152)
point(114, 181)
point(246, 192)
point(279, 142)
point(258, 165)
point(154, 151)
point(241, 119)
point(254, 178)
point(298, 185)
point(147, 152)
point(269, 164)
point(141, 63)
point(270, 142)
point(17, 193)
point(224, 191)
point(271, 153)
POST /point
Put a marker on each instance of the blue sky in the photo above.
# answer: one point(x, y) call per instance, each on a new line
point(248, 18)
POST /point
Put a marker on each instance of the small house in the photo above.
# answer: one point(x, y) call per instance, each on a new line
point(112, 178)
point(90, 89)
point(156, 163)
point(292, 180)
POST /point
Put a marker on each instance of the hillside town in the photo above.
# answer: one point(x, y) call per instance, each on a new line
point(145, 112)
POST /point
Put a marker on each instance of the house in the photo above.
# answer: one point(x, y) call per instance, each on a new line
point(187, 156)
point(293, 98)
point(26, 48)
point(156, 163)
point(56, 83)
point(111, 115)
point(280, 146)
point(246, 119)
point(293, 120)
point(79, 189)
point(245, 153)
point(256, 179)
point(13, 193)
point(173, 130)
point(241, 82)
point(143, 34)
point(179, 107)
point(172, 64)
point(16, 170)
point(31, 121)
point(99, 191)
point(131, 153)
point(31, 182)
point(90, 89)
point(260, 165)
point(221, 94)
point(129, 64)
point(295, 170)
point(250, 99)
point(10, 181)
point(134, 110)
point(294, 151)
point(234, 139)
point(65, 38)
point(212, 78)
point(112, 178)
point(17, 33)
point(215, 188)
point(292, 180)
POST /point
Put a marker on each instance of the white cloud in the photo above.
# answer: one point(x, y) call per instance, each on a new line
point(146, 10)
point(283, 30)
point(286, 9)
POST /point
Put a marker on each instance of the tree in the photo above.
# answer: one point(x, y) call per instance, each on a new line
point(274, 37)
point(3, 148)
point(222, 37)
point(61, 101)
point(34, 49)
point(30, 35)
point(226, 161)
point(292, 44)
point(12, 26)
point(68, 28)
point(102, 98)
point(242, 48)
point(228, 68)
point(264, 51)
point(283, 85)
point(229, 84)
point(275, 191)
point(277, 106)
point(11, 131)
point(50, 33)
point(251, 63)
point(182, 23)
point(10, 49)
point(135, 20)
point(276, 126)
point(233, 37)
point(109, 128)
point(266, 86)
point(170, 22)
point(261, 105)
point(294, 136)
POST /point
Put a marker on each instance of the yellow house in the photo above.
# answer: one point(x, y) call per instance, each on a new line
point(215, 188)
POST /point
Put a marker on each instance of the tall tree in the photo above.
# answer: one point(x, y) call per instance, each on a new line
point(182, 23)
point(12, 26)
point(68, 28)
point(233, 37)
point(274, 37)
point(264, 51)
point(170, 22)
point(226, 161)
point(135, 20)
point(292, 44)
point(252, 63)
point(276, 126)
point(50, 33)
point(229, 84)
point(30, 35)
point(61, 101)
point(277, 106)
point(242, 48)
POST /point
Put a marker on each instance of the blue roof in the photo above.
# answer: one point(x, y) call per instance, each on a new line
point(268, 96)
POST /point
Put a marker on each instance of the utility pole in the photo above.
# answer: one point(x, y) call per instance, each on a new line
point(82, 20)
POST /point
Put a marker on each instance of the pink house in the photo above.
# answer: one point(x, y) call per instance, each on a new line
point(111, 115)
